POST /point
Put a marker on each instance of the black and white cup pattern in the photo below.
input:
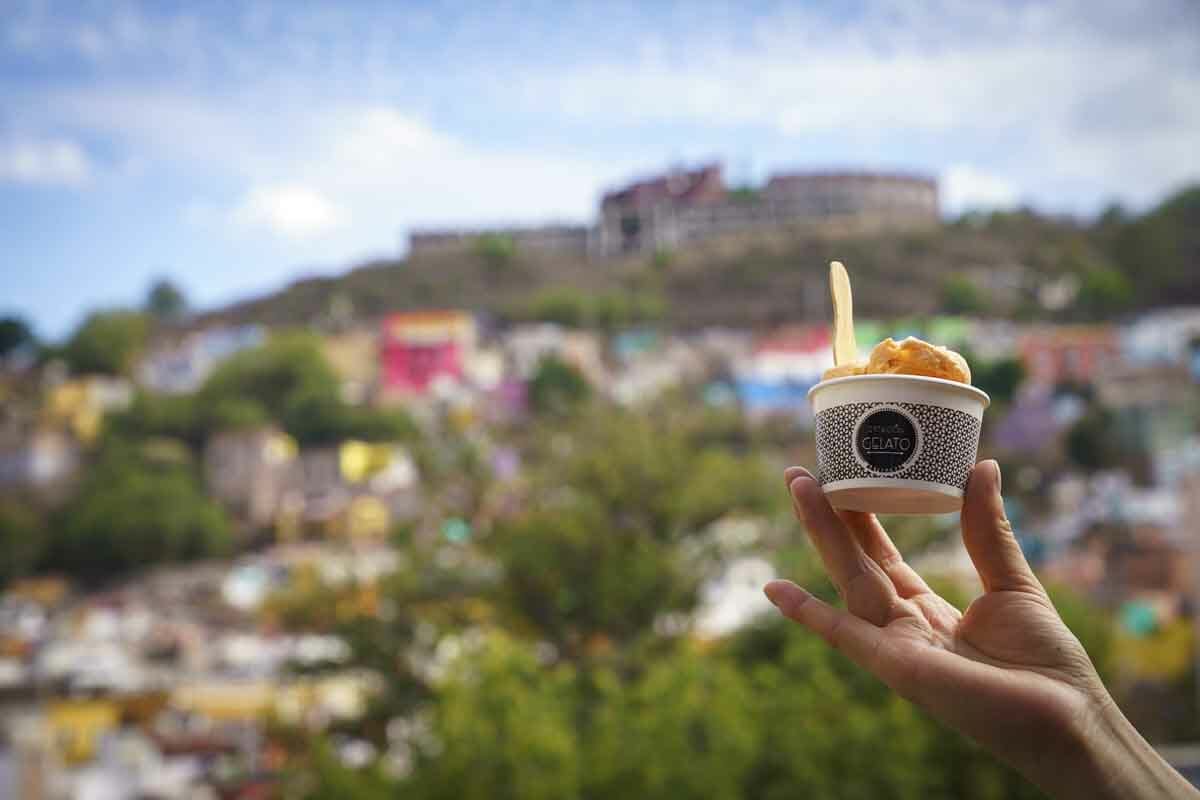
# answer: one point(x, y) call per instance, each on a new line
point(905, 441)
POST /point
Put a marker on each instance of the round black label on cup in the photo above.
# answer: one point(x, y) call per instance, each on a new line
point(886, 439)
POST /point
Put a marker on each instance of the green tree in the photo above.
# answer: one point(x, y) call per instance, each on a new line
point(107, 342)
point(1158, 252)
point(999, 378)
point(165, 300)
point(960, 295)
point(1104, 291)
point(497, 250)
point(505, 724)
point(557, 387)
point(1091, 442)
point(688, 727)
point(288, 380)
point(22, 541)
point(564, 306)
point(15, 334)
point(155, 415)
point(606, 557)
point(135, 508)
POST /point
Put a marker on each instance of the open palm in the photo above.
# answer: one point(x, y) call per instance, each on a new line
point(1007, 672)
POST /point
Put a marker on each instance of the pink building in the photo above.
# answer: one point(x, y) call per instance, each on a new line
point(420, 347)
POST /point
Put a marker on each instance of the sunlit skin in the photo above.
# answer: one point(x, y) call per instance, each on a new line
point(1007, 672)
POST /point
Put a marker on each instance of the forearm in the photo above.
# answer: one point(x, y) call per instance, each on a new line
point(1111, 760)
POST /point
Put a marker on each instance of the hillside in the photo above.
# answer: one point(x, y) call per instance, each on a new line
point(998, 265)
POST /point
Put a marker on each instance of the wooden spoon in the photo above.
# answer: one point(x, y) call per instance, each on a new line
point(845, 349)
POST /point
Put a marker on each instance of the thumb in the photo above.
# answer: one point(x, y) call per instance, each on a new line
point(988, 535)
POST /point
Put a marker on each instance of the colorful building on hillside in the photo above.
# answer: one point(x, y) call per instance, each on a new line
point(354, 356)
point(420, 349)
point(247, 471)
point(79, 404)
point(1169, 336)
point(1068, 353)
point(37, 459)
point(781, 369)
point(182, 366)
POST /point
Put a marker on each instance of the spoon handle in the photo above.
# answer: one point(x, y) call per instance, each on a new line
point(845, 350)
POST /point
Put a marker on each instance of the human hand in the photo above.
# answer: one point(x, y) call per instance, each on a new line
point(1007, 672)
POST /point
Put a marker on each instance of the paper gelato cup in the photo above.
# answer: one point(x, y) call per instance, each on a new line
point(896, 444)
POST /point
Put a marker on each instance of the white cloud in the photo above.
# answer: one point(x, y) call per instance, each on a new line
point(968, 188)
point(1102, 105)
point(349, 183)
point(45, 161)
point(291, 211)
point(1069, 106)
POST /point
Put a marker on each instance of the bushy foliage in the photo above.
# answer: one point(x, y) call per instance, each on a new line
point(286, 381)
point(107, 342)
point(21, 541)
point(138, 505)
point(557, 387)
point(561, 680)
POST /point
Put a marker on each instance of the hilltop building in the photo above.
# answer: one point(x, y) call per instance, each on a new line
point(688, 205)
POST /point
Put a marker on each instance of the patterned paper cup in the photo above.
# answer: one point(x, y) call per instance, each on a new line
point(896, 444)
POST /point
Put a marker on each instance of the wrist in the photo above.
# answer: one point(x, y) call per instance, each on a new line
point(1102, 756)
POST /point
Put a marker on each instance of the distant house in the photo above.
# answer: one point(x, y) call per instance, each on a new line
point(247, 471)
point(418, 349)
point(649, 374)
point(780, 370)
point(38, 459)
point(354, 489)
point(525, 346)
point(1057, 354)
point(354, 356)
point(79, 404)
point(1169, 336)
point(182, 366)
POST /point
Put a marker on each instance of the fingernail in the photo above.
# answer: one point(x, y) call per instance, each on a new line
point(791, 473)
point(999, 477)
point(797, 485)
point(784, 594)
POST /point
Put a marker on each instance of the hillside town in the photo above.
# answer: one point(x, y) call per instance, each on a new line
point(161, 684)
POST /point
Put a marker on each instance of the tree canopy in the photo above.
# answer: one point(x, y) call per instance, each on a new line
point(107, 342)
point(137, 505)
point(165, 300)
point(558, 658)
point(289, 380)
point(15, 334)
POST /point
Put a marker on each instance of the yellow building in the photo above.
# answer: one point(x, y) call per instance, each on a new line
point(354, 356)
point(334, 696)
point(80, 404)
point(78, 725)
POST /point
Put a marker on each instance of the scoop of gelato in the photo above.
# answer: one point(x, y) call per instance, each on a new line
point(913, 356)
point(844, 371)
point(909, 356)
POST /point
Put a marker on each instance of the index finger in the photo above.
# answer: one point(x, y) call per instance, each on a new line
point(868, 592)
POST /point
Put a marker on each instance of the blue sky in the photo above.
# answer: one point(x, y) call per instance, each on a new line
point(236, 146)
